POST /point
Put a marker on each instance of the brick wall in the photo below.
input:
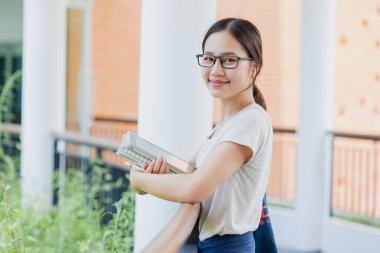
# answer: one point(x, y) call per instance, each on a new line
point(357, 73)
point(115, 52)
point(115, 57)
point(279, 23)
point(115, 63)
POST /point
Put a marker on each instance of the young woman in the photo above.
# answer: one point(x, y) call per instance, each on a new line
point(233, 163)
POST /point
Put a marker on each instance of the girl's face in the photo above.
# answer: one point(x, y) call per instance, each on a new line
point(226, 83)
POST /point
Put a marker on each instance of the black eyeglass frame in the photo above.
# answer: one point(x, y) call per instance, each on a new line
point(220, 57)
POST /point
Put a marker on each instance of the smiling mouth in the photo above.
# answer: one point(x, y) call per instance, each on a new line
point(217, 83)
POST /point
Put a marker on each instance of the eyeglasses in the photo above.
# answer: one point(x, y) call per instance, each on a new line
point(228, 62)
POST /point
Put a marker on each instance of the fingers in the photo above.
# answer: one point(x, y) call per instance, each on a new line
point(163, 167)
point(159, 166)
point(167, 170)
point(149, 167)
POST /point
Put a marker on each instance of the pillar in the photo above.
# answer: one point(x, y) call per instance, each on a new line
point(43, 100)
point(316, 114)
point(175, 108)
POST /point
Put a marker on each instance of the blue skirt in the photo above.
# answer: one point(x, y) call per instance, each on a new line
point(244, 243)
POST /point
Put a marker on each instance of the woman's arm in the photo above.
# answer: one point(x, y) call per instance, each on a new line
point(174, 234)
point(171, 238)
point(221, 163)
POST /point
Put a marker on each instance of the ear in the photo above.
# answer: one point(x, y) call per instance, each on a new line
point(253, 70)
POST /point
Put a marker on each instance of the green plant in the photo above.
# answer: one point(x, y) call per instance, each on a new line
point(75, 224)
point(6, 100)
point(116, 238)
point(7, 97)
point(71, 226)
point(10, 235)
point(9, 210)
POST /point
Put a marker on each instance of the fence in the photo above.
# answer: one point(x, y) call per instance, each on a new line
point(355, 180)
point(282, 182)
point(75, 151)
point(356, 177)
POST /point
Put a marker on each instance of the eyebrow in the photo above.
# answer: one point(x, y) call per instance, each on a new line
point(226, 53)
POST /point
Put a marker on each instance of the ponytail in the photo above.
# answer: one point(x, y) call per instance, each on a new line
point(258, 96)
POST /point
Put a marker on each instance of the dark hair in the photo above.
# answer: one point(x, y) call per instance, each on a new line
point(249, 38)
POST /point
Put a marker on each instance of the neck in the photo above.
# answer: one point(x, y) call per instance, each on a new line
point(230, 108)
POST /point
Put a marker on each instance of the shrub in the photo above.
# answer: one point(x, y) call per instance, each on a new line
point(74, 225)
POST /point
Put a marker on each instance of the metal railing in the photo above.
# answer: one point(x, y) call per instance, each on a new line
point(89, 155)
point(112, 129)
point(355, 183)
point(355, 168)
point(76, 151)
point(282, 182)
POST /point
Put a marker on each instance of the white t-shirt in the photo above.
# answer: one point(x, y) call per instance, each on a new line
point(235, 206)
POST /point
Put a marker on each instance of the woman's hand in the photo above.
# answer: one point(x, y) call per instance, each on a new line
point(159, 166)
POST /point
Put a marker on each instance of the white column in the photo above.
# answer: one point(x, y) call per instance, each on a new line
point(43, 100)
point(316, 112)
point(175, 108)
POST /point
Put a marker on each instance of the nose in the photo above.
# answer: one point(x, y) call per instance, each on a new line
point(217, 68)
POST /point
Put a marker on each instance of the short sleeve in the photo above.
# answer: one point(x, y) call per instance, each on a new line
point(248, 130)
